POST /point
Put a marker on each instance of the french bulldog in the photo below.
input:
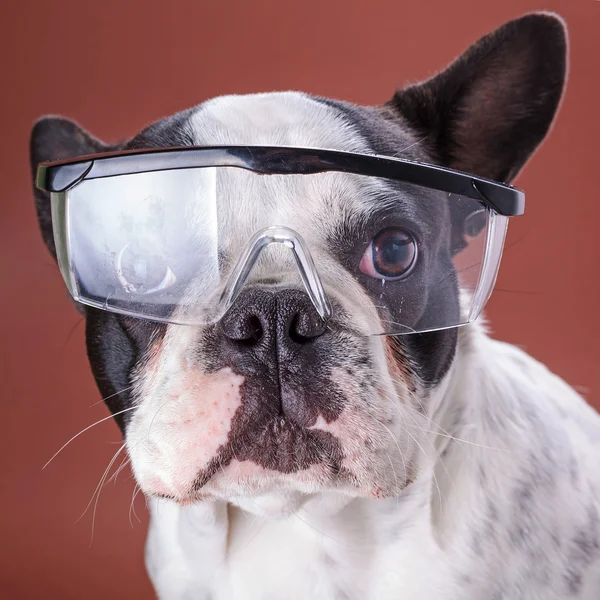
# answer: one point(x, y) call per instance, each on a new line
point(336, 466)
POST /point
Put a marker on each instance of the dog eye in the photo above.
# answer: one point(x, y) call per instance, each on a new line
point(391, 254)
point(142, 268)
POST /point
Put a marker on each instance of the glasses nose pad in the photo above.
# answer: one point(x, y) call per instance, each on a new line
point(306, 266)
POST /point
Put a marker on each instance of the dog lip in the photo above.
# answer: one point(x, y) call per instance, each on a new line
point(248, 480)
point(338, 478)
point(279, 447)
point(161, 496)
point(184, 500)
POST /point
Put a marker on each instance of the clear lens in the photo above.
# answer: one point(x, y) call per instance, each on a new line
point(180, 245)
point(128, 243)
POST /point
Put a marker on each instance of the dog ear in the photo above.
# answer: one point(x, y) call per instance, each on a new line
point(57, 138)
point(488, 111)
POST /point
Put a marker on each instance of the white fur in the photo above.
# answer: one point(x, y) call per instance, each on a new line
point(335, 544)
point(263, 535)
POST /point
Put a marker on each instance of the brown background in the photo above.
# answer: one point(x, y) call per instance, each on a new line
point(115, 66)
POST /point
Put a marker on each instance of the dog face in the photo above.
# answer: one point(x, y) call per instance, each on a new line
point(267, 404)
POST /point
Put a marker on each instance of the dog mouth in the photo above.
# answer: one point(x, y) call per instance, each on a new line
point(279, 456)
point(289, 461)
point(243, 440)
point(278, 448)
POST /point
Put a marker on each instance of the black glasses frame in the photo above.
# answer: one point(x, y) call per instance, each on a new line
point(280, 160)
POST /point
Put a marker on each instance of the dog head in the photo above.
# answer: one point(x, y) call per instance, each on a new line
point(268, 403)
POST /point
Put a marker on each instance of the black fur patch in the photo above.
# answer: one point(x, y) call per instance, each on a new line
point(115, 344)
point(430, 353)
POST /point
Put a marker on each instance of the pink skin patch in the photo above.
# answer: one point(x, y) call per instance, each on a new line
point(178, 429)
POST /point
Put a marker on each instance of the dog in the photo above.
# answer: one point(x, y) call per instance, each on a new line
point(456, 467)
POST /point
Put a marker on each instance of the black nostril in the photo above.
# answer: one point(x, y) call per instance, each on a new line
point(253, 332)
point(246, 330)
point(306, 326)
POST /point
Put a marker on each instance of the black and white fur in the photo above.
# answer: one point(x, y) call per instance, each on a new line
point(441, 465)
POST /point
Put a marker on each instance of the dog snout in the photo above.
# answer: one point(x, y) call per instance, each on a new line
point(276, 337)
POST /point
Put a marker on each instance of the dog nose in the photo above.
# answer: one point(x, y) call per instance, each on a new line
point(262, 320)
point(276, 340)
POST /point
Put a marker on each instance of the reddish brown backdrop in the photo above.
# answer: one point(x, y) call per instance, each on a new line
point(117, 65)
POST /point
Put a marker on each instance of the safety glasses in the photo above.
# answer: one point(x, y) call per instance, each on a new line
point(175, 235)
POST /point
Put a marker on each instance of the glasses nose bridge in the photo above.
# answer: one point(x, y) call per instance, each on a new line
point(306, 266)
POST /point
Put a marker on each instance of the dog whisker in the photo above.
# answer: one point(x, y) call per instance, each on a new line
point(393, 438)
point(123, 464)
point(524, 292)
point(136, 490)
point(445, 433)
point(396, 477)
point(406, 430)
point(73, 329)
point(435, 480)
point(400, 152)
point(519, 239)
point(126, 389)
point(87, 429)
point(155, 415)
point(430, 442)
point(97, 492)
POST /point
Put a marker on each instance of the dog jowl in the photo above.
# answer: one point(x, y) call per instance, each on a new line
point(271, 406)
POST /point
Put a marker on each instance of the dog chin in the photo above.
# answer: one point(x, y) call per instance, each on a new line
point(244, 482)
point(275, 505)
point(265, 492)
point(282, 496)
